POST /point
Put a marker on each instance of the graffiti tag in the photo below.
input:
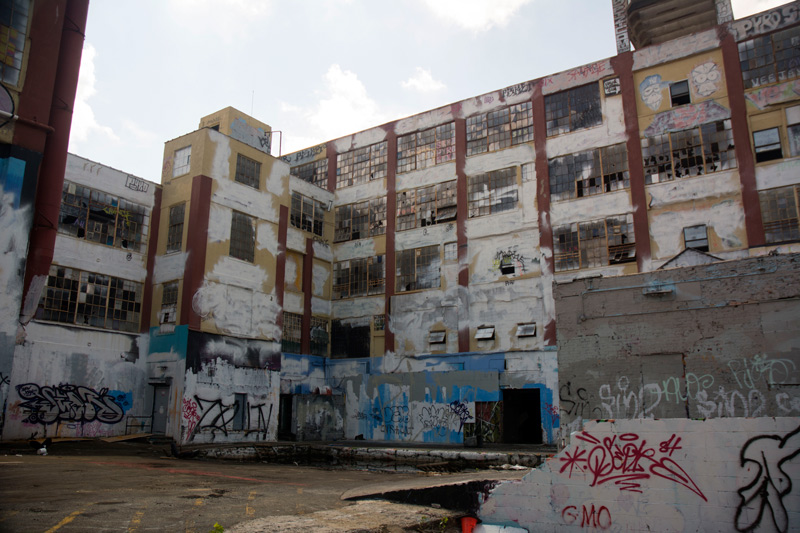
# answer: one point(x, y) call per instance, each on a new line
point(47, 405)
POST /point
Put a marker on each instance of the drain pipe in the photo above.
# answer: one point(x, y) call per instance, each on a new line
point(54, 158)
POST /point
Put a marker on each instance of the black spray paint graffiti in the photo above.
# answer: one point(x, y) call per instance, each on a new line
point(574, 403)
point(4, 379)
point(509, 262)
point(461, 411)
point(764, 457)
point(436, 419)
point(73, 403)
point(213, 416)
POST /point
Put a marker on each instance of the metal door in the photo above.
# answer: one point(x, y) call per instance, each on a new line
point(160, 408)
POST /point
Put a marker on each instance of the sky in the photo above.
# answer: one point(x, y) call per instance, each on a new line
point(314, 70)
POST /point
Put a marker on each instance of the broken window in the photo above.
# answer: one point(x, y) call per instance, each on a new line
point(181, 161)
point(72, 296)
point(169, 303)
point(248, 171)
point(767, 144)
point(793, 129)
point(360, 220)
point(379, 322)
point(679, 93)
point(175, 229)
point(492, 192)
point(102, 218)
point(696, 237)
point(418, 268)
point(437, 339)
point(779, 214)
point(426, 206)
point(573, 109)
point(359, 277)
point(770, 58)
point(14, 29)
point(315, 172)
point(361, 165)
point(307, 214)
point(594, 243)
point(243, 237)
point(319, 336)
point(589, 173)
point(500, 129)
point(291, 338)
point(426, 148)
point(702, 150)
point(450, 251)
point(526, 330)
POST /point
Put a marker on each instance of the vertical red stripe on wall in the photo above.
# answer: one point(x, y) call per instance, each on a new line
point(152, 248)
point(196, 246)
point(280, 263)
point(391, 227)
point(543, 193)
point(308, 269)
point(623, 68)
point(741, 139)
point(331, 155)
point(462, 214)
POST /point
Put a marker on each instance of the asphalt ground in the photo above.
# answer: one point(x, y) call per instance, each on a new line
point(134, 487)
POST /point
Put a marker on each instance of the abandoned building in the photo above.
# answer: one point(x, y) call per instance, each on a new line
point(606, 242)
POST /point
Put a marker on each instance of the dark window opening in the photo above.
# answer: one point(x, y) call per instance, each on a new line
point(696, 237)
point(522, 416)
point(768, 145)
point(679, 93)
point(348, 341)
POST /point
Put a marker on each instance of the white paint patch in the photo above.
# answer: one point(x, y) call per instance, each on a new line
point(612, 131)
point(240, 273)
point(716, 185)
point(516, 156)
point(234, 310)
point(267, 237)
point(221, 162)
point(219, 223)
point(367, 191)
point(293, 302)
point(169, 267)
point(725, 218)
point(277, 182)
point(90, 174)
point(505, 306)
point(354, 249)
point(265, 315)
point(295, 240)
point(319, 278)
point(240, 197)
point(91, 257)
point(32, 298)
point(424, 121)
point(415, 238)
point(578, 76)
point(320, 306)
point(777, 175)
point(501, 224)
point(591, 208)
point(322, 251)
point(486, 254)
point(675, 49)
point(359, 307)
point(14, 228)
point(359, 140)
point(290, 276)
point(425, 177)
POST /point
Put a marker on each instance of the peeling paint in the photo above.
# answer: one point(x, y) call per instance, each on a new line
point(169, 267)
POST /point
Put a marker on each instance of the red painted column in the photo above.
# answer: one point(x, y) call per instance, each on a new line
point(59, 103)
point(196, 247)
point(543, 194)
point(280, 266)
point(623, 67)
point(331, 154)
point(152, 247)
point(391, 228)
point(741, 139)
point(308, 269)
point(462, 214)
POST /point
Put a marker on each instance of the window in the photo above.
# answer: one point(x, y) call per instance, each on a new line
point(316, 173)
point(361, 220)
point(679, 93)
point(574, 109)
point(169, 303)
point(793, 129)
point(426, 148)
point(526, 330)
point(379, 322)
point(493, 192)
point(696, 237)
point(72, 296)
point(588, 173)
point(500, 129)
point(319, 336)
point(484, 333)
point(418, 268)
point(770, 58)
point(437, 339)
point(248, 171)
point(361, 165)
point(767, 144)
point(102, 218)
point(175, 230)
point(291, 338)
point(182, 160)
point(426, 206)
point(243, 237)
point(702, 150)
point(595, 243)
point(359, 277)
point(13, 28)
point(307, 214)
point(239, 411)
point(450, 251)
point(779, 214)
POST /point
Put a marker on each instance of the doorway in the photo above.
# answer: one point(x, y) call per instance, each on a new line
point(522, 416)
point(285, 418)
point(160, 408)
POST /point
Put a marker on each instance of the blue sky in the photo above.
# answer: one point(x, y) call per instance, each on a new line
point(313, 69)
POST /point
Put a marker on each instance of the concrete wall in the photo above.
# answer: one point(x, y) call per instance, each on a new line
point(717, 340)
point(662, 475)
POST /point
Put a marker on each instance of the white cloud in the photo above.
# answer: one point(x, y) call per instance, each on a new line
point(423, 81)
point(139, 134)
point(475, 15)
point(744, 8)
point(226, 19)
point(83, 120)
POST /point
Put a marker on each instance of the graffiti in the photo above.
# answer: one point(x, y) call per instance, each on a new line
point(190, 414)
point(724, 11)
point(628, 403)
point(4, 379)
point(488, 99)
point(764, 457)
point(488, 422)
point(586, 71)
point(552, 411)
point(576, 404)
point(322, 242)
point(706, 78)
point(392, 420)
point(688, 116)
point(787, 404)
point(509, 282)
point(515, 90)
point(216, 416)
point(113, 211)
point(749, 373)
point(74, 403)
point(627, 461)
point(598, 518)
point(509, 262)
point(611, 87)
point(621, 26)
point(765, 22)
point(261, 423)
point(651, 91)
point(436, 419)
point(461, 410)
point(308, 153)
point(166, 168)
point(776, 94)
point(136, 184)
point(255, 137)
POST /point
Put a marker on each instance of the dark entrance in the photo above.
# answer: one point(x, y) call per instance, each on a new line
point(285, 418)
point(160, 408)
point(522, 416)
